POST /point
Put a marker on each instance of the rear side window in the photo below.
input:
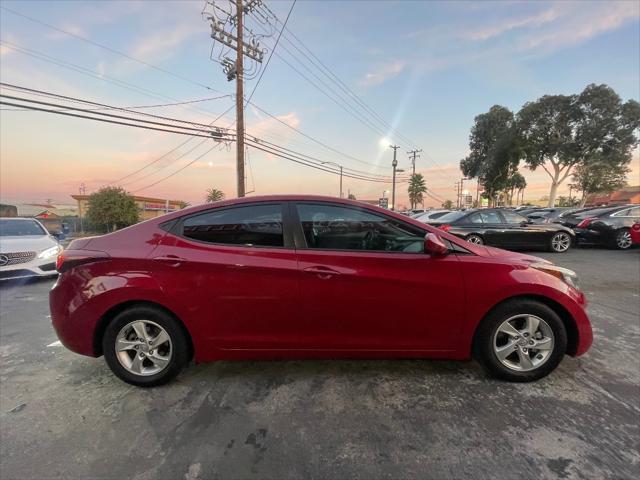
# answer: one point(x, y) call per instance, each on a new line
point(513, 218)
point(252, 225)
point(490, 217)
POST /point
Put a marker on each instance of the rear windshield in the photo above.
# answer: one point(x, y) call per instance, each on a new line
point(594, 213)
point(452, 217)
point(20, 228)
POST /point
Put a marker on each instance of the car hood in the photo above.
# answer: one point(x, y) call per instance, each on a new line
point(26, 243)
point(512, 256)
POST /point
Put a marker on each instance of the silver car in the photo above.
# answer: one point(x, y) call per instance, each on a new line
point(26, 249)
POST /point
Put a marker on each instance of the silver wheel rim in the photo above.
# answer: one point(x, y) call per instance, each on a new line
point(523, 342)
point(475, 240)
point(560, 242)
point(143, 348)
point(624, 239)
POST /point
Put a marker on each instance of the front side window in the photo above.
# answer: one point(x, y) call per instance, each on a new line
point(345, 228)
point(515, 219)
point(251, 225)
point(490, 217)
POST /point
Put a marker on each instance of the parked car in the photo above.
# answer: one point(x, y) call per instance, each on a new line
point(635, 233)
point(608, 226)
point(303, 276)
point(431, 215)
point(506, 229)
point(416, 211)
point(548, 215)
point(26, 249)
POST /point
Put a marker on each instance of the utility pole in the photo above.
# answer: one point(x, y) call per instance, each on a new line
point(394, 164)
point(235, 69)
point(457, 187)
point(340, 167)
point(239, 101)
point(414, 154)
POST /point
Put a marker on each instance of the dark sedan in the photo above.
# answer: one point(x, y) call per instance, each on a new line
point(506, 229)
point(549, 215)
point(607, 226)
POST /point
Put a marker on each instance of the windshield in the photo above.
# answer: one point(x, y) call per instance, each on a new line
point(20, 228)
point(452, 217)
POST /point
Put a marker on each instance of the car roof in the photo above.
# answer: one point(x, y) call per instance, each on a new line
point(23, 219)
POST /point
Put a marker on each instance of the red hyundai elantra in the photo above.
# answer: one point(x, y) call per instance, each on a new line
point(315, 277)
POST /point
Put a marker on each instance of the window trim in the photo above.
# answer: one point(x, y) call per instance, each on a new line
point(177, 228)
point(628, 213)
point(301, 240)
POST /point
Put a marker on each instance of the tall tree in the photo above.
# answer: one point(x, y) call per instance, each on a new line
point(111, 208)
point(214, 195)
point(516, 183)
point(561, 133)
point(602, 177)
point(352, 196)
point(495, 152)
point(416, 190)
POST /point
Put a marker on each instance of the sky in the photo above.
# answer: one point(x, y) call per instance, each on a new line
point(425, 68)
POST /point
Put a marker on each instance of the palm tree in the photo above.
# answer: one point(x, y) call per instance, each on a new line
point(416, 189)
point(214, 195)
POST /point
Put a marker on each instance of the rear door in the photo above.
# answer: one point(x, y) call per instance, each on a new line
point(495, 228)
point(235, 271)
point(520, 233)
point(367, 285)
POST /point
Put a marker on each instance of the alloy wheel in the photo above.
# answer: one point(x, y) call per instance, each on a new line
point(560, 242)
point(523, 342)
point(623, 239)
point(143, 347)
point(476, 240)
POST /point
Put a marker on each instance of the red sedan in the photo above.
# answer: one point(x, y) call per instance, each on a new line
point(315, 277)
point(635, 234)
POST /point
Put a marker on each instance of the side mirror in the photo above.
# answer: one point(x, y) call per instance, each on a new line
point(435, 246)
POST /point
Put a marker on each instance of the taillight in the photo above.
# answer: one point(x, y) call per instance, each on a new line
point(636, 227)
point(585, 223)
point(69, 259)
point(445, 228)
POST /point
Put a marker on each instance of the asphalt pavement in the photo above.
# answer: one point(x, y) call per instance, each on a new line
point(66, 416)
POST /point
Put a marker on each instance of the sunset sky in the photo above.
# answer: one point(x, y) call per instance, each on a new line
point(427, 68)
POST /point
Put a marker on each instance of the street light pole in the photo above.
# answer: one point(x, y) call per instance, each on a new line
point(340, 167)
point(394, 164)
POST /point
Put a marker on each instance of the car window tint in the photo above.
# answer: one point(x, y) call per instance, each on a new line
point(474, 218)
point(635, 212)
point(259, 225)
point(515, 219)
point(490, 217)
point(451, 217)
point(346, 228)
point(20, 228)
point(435, 215)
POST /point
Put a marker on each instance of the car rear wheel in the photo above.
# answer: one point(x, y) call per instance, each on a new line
point(520, 341)
point(145, 346)
point(623, 238)
point(560, 242)
point(475, 239)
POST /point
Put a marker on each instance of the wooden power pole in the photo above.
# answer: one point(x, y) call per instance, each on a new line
point(239, 101)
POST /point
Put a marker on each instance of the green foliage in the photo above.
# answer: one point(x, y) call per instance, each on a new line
point(214, 195)
point(416, 189)
point(183, 204)
point(563, 201)
point(352, 196)
point(495, 151)
point(448, 204)
point(111, 208)
point(594, 176)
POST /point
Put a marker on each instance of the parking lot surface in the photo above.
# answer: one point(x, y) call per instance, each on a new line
point(66, 416)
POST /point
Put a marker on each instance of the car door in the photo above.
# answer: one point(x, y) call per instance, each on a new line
point(236, 270)
point(494, 228)
point(366, 283)
point(520, 233)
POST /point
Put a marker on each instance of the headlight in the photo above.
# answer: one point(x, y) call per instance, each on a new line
point(50, 252)
point(567, 276)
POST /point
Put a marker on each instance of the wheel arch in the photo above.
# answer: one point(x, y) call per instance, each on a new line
point(566, 317)
point(115, 310)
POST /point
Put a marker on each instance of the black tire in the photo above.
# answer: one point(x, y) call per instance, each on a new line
point(180, 345)
point(475, 239)
point(622, 240)
point(555, 244)
point(484, 340)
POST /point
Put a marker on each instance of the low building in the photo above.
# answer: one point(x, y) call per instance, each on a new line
point(149, 207)
point(623, 196)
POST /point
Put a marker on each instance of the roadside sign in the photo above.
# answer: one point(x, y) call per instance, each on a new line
point(383, 202)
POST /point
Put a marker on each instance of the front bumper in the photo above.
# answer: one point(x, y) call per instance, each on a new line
point(38, 267)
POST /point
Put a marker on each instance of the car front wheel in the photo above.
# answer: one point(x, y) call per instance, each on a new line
point(623, 238)
point(475, 239)
point(560, 242)
point(145, 346)
point(520, 341)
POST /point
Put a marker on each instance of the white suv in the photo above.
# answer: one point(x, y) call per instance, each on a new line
point(26, 249)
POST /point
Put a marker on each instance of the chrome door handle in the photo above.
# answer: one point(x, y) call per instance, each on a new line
point(322, 272)
point(170, 260)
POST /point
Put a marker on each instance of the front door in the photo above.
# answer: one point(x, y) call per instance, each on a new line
point(366, 283)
